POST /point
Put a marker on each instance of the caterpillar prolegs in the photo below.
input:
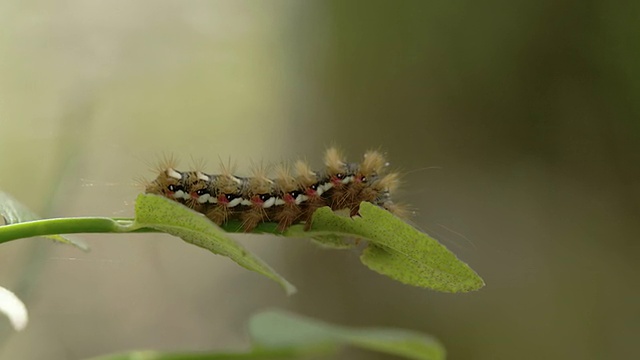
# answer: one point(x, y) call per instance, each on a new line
point(288, 198)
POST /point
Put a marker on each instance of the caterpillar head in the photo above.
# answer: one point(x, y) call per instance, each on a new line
point(169, 183)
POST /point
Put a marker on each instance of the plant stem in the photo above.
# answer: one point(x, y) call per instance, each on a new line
point(75, 225)
point(72, 225)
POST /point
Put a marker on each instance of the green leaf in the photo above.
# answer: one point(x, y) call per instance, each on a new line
point(273, 330)
point(168, 216)
point(281, 335)
point(394, 249)
point(14, 212)
point(327, 239)
point(398, 250)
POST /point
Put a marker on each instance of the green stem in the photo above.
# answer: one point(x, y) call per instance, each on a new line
point(72, 225)
point(76, 225)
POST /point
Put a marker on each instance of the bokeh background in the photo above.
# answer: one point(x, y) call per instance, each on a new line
point(515, 124)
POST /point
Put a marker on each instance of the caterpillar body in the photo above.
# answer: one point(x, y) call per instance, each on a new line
point(288, 198)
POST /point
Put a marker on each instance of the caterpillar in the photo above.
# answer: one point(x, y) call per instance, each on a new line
point(291, 197)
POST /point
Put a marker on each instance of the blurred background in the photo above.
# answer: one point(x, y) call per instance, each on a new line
point(515, 124)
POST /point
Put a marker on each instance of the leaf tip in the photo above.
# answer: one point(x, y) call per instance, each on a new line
point(289, 288)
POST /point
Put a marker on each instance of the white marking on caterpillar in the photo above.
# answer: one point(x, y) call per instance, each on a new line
point(324, 187)
point(174, 174)
point(180, 195)
point(204, 177)
point(279, 201)
point(269, 203)
point(235, 202)
point(347, 179)
point(301, 198)
point(204, 198)
point(246, 202)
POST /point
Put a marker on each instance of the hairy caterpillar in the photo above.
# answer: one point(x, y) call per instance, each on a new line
point(290, 197)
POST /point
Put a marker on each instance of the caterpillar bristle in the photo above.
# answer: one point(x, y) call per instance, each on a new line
point(333, 160)
point(390, 182)
point(141, 182)
point(219, 214)
point(260, 183)
point(287, 216)
point(304, 175)
point(403, 211)
point(285, 181)
point(373, 163)
point(227, 169)
point(167, 161)
point(226, 182)
point(253, 216)
point(288, 198)
point(198, 164)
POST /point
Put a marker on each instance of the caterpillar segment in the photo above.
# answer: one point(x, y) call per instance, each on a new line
point(288, 198)
point(338, 174)
point(291, 197)
point(311, 189)
point(226, 195)
point(197, 189)
point(258, 197)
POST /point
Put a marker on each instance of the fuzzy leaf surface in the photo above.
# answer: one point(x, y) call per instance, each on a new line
point(328, 239)
point(400, 251)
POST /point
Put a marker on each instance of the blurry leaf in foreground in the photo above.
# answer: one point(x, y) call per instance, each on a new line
point(14, 309)
point(279, 335)
point(398, 250)
point(168, 216)
point(14, 212)
point(274, 329)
